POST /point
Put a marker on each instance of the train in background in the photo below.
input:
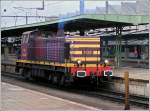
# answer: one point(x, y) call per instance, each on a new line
point(134, 49)
point(62, 60)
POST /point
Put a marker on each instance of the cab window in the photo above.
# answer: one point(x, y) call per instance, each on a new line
point(27, 38)
point(23, 38)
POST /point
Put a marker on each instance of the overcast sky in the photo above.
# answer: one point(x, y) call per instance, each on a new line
point(52, 8)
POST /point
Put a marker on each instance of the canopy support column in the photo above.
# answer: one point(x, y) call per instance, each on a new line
point(149, 48)
point(118, 46)
point(149, 36)
point(6, 51)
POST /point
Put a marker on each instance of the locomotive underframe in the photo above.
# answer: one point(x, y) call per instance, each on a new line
point(53, 73)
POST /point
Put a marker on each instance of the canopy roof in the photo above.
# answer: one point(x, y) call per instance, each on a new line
point(79, 22)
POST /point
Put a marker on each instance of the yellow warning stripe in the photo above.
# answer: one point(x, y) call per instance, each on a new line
point(96, 52)
point(52, 63)
point(84, 45)
point(83, 40)
point(80, 52)
point(85, 59)
point(75, 52)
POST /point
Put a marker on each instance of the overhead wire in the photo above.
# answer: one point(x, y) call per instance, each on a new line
point(26, 10)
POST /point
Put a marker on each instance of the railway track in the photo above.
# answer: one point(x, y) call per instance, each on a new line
point(98, 93)
point(137, 100)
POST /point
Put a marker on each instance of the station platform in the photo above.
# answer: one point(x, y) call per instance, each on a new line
point(16, 98)
point(134, 73)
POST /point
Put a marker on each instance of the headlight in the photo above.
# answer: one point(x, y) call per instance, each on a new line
point(79, 62)
point(106, 61)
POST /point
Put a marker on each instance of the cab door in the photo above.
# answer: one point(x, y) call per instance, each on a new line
point(24, 46)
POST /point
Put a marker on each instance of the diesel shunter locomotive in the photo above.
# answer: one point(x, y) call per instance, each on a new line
point(62, 59)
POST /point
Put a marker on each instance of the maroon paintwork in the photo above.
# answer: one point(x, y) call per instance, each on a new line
point(40, 48)
point(55, 49)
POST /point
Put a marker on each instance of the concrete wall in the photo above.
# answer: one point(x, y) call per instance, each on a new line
point(136, 87)
point(9, 69)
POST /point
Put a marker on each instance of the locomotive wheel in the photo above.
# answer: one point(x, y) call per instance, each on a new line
point(58, 79)
point(34, 75)
point(27, 74)
point(61, 81)
point(50, 78)
point(53, 82)
point(54, 79)
point(23, 72)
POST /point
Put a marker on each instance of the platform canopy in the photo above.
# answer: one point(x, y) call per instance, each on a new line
point(79, 22)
